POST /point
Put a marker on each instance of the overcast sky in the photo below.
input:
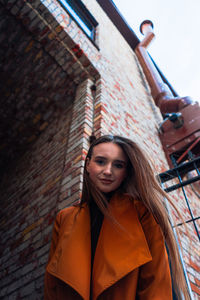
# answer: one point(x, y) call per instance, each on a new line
point(176, 49)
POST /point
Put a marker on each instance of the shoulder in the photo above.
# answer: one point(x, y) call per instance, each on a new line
point(145, 216)
point(67, 213)
point(140, 207)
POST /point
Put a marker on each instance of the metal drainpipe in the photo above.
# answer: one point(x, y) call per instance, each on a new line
point(161, 94)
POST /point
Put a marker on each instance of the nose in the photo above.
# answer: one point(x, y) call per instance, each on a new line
point(108, 169)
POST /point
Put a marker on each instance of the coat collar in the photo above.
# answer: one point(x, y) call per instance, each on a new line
point(120, 249)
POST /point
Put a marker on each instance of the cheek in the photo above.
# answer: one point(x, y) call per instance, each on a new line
point(122, 175)
point(92, 169)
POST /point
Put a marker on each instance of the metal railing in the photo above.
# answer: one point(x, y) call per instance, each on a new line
point(178, 172)
point(181, 172)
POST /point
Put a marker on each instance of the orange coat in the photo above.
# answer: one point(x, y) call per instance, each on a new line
point(129, 263)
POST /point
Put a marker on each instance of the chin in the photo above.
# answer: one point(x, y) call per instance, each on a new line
point(107, 190)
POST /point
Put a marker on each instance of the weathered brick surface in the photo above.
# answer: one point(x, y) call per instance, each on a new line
point(29, 206)
point(52, 53)
point(38, 188)
point(41, 65)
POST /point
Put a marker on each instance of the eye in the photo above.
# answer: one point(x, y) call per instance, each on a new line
point(100, 161)
point(119, 165)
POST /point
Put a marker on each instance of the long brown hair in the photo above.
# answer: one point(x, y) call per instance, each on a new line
point(140, 184)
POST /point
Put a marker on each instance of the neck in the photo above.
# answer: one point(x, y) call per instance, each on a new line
point(108, 196)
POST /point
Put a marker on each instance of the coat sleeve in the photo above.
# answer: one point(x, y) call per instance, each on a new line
point(154, 281)
point(49, 280)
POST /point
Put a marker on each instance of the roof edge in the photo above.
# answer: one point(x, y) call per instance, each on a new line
point(118, 20)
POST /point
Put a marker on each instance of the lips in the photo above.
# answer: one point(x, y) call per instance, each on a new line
point(106, 181)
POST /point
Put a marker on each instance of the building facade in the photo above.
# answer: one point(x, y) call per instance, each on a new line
point(63, 81)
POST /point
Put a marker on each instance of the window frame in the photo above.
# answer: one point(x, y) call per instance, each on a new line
point(84, 15)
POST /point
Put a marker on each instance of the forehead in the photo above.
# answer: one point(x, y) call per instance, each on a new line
point(109, 150)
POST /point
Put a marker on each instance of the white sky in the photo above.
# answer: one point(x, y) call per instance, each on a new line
point(176, 48)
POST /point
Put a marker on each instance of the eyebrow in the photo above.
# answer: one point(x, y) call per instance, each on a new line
point(115, 160)
point(120, 161)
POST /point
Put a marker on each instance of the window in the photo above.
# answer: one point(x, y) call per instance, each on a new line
point(81, 15)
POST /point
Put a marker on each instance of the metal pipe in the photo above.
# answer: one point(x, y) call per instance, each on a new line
point(161, 94)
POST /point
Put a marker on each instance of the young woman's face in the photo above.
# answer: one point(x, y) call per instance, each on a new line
point(107, 166)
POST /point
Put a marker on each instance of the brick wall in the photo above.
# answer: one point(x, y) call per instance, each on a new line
point(45, 179)
point(29, 199)
point(48, 177)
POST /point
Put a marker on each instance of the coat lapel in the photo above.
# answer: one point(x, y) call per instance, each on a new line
point(71, 261)
point(119, 250)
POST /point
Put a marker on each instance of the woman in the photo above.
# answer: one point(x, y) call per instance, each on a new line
point(111, 246)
